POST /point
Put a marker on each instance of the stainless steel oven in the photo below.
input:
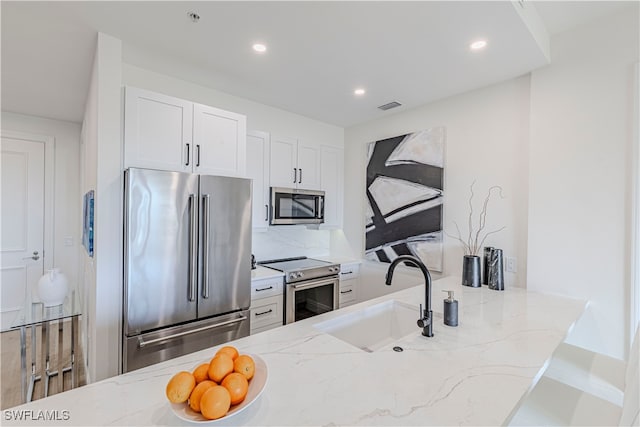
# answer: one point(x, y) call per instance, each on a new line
point(312, 286)
point(311, 297)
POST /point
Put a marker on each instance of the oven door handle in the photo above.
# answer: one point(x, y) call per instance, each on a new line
point(313, 284)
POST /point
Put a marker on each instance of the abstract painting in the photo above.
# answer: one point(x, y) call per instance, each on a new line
point(404, 197)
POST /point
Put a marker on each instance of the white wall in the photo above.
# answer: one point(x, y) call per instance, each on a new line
point(486, 141)
point(580, 175)
point(102, 167)
point(276, 242)
point(67, 206)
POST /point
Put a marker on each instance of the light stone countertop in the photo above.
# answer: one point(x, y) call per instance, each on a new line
point(473, 374)
point(261, 272)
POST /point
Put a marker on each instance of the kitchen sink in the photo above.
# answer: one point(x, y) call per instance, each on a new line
point(375, 327)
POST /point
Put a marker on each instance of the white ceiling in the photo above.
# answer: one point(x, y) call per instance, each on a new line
point(318, 52)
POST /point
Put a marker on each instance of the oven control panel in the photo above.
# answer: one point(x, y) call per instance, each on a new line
point(318, 272)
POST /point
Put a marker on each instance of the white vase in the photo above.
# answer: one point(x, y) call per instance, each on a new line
point(53, 287)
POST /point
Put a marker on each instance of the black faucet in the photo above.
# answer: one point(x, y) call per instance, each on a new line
point(426, 316)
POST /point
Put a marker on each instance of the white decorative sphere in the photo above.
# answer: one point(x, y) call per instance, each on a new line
point(53, 287)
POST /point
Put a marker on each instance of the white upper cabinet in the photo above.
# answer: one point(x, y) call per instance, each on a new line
point(219, 141)
point(166, 133)
point(258, 170)
point(157, 131)
point(294, 164)
point(284, 162)
point(331, 176)
point(308, 167)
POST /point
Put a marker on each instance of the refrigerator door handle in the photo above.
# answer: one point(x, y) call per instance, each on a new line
point(205, 245)
point(142, 343)
point(193, 247)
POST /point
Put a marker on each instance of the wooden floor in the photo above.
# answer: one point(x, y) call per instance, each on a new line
point(10, 394)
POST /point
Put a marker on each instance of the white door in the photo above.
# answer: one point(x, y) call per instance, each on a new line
point(22, 241)
point(283, 162)
point(219, 141)
point(308, 167)
point(258, 171)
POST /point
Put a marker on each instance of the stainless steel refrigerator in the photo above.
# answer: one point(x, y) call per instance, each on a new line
point(187, 259)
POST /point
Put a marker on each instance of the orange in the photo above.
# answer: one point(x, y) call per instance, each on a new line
point(180, 386)
point(229, 350)
point(219, 367)
point(237, 386)
point(244, 364)
point(215, 402)
point(196, 394)
point(201, 373)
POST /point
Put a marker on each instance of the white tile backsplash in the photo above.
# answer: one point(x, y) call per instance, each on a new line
point(290, 241)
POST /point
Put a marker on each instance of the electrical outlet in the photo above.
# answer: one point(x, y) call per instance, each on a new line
point(68, 241)
point(512, 263)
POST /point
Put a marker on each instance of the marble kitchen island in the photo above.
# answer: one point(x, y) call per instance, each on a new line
point(473, 374)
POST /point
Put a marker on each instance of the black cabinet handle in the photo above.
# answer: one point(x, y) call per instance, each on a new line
point(187, 164)
point(300, 180)
point(295, 175)
point(264, 289)
point(264, 312)
point(346, 272)
point(346, 292)
point(198, 155)
point(266, 212)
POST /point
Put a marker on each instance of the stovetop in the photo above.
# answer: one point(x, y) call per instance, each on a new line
point(295, 264)
point(302, 268)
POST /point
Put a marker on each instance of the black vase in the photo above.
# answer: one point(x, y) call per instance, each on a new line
point(471, 271)
point(485, 264)
point(496, 271)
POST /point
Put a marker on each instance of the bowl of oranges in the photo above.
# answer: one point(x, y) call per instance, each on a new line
point(219, 388)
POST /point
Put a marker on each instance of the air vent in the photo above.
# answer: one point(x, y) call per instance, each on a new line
point(389, 106)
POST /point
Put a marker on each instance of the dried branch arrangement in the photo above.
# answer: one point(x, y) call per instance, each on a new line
point(476, 239)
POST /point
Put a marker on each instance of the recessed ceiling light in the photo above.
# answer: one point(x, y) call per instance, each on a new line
point(478, 44)
point(260, 48)
point(359, 92)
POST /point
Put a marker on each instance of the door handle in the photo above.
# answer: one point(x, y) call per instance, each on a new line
point(193, 247)
point(34, 257)
point(142, 343)
point(205, 246)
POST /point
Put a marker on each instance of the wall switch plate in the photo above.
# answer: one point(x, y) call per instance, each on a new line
point(511, 264)
point(68, 241)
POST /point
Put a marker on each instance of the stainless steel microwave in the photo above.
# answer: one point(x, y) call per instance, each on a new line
point(296, 206)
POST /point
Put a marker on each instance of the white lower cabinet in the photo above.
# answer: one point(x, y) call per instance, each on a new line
point(267, 299)
point(349, 283)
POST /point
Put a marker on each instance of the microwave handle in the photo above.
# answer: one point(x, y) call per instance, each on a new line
point(321, 207)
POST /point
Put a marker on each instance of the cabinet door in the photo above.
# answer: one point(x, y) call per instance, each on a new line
point(331, 173)
point(220, 143)
point(284, 153)
point(157, 131)
point(258, 171)
point(308, 167)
